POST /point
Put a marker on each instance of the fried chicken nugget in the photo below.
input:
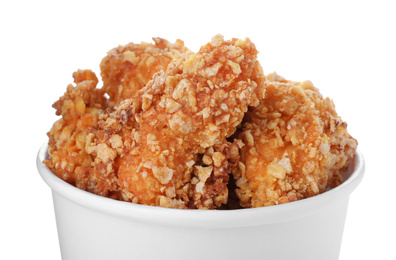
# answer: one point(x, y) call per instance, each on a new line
point(110, 140)
point(296, 146)
point(79, 107)
point(177, 154)
point(126, 69)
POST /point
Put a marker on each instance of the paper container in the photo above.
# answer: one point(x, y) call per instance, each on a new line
point(94, 227)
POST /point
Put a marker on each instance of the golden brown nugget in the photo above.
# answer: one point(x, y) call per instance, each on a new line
point(80, 108)
point(296, 146)
point(184, 116)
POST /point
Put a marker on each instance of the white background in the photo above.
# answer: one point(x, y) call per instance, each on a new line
point(347, 49)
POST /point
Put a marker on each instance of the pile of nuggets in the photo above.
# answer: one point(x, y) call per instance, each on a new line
point(205, 130)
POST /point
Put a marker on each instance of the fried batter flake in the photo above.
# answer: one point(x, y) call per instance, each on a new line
point(296, 145)
point(186, 118)
point(80, 108)
point(128, 68)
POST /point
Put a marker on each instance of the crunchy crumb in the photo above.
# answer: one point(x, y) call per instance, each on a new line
point(205, 130)
point(128, 68)
point(301, 147)
point(188, 116)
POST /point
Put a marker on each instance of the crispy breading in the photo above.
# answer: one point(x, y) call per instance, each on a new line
point(203, 130)
point(128, 68)
point(80, 108)
point(184, 116)
point(296, 145)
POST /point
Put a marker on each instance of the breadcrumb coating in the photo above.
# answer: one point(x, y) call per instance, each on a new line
point(204, 130)
point(296, 145)
point(128, 68)
point(80, 108)
point(185, 115)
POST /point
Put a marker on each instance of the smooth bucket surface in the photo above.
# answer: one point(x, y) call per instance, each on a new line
point(93, 227)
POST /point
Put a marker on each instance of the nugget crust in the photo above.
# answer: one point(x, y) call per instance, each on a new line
point(296, 146)
point(181, 157)
point(80, 108)
point(128, 68)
